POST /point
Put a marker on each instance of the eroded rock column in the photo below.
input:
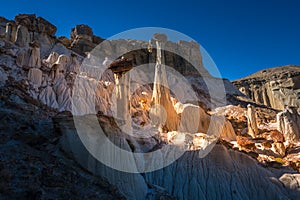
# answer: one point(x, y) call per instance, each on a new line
point(251, 118)
point(288, 123)
point(34, 55)
point(10, 32)
point(162, 112)
point(22, 36)
point(35, 75)
point(120, 69)
point(52, 58)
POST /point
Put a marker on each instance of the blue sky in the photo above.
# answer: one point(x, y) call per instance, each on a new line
point(242, 36)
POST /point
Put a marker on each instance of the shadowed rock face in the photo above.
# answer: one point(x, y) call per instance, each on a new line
point(32, 166)
point(35, 24)
point(83, 39)
point(273, 87)
point(222, 174)
point(288, 123)
point(27, 28)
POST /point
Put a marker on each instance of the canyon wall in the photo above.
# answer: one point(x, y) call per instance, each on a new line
point(275, 87)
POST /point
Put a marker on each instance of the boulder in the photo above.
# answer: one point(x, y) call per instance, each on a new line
point(227, 132)
point(193, 118)
point(279, 148)
point(291, 182)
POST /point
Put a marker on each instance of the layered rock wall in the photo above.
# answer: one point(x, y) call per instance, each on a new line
point(274, 87)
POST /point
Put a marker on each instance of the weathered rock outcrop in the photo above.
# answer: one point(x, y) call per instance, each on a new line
point(10, 32)
point(63, 62)
point(3, 26)
point(72, 144)
point(22, 58)
point(273, 87)
point(52, 58)
point(252, 124)
point(35, 77)
point(74, 64)
point(34, 55)
point(222, 174)
point(163, 112)
point(82, 39)
point(22, 36)
point(35, 24)
point(45, 88)
point(30, 156)
point(48, 97)
point(27, 28)
point(195, 120)
point(288, 123)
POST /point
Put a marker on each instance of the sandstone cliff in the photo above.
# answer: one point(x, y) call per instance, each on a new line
point(275, 87)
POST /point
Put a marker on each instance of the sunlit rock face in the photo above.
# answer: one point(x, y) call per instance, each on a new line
point(252, 124)
point(163, 110)
point(194, 119)
point(52, 58)
point(275, 87)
